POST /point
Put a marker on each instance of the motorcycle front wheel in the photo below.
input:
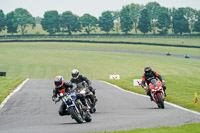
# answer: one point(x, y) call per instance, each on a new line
point(91, 105)
point(88, 117)
point(160, 101)
point(75, 115)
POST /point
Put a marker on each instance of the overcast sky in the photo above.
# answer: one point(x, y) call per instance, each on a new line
point(80, 7)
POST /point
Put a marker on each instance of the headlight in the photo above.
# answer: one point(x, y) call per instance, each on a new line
point(61, 94)
point(82, 92)
point(153, 90)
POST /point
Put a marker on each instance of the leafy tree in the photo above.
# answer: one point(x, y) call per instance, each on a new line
point(164, 21)
point(197, 23)
point(70, 22)
point(24, 19)
point(171, 14)
point(50, 22)
point(126, 24)
point(88, 22)
point(180, 23)
point(190, 15)
point(135, 10)
point(2, 21)
point(11, 23)
point(116, 18)
point(153, 8)
point(144, 22)
point(106, 21)
point(38, 20)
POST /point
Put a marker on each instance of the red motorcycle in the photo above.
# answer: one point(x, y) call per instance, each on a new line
point(157, 93)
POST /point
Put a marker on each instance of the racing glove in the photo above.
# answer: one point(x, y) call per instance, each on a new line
point(163, 82)
point(55, 99)
point(145, 88)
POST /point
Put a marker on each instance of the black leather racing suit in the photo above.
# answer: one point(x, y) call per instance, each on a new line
point(82, 78)
point(148, 77)
point(65, 88)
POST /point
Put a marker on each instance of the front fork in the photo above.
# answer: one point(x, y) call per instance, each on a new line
point(154, 95)
point(73, 104)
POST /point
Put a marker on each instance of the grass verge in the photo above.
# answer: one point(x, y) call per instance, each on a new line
point(180, 90)
point(188, 128)
point(7, 85)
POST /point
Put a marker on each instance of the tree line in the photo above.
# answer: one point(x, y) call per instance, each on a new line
point(148, 18)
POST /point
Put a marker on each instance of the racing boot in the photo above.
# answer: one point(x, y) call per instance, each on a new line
point(164, 88)
point(95, 97)
point(151, 98)
point(149, 94)
point(88, 107)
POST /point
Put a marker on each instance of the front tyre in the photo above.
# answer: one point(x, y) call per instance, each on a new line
point(160, 101)
point(75, 115)
point(92, 105)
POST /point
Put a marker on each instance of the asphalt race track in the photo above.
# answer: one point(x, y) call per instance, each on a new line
point(31, 110)
point(133, 52)
point(128, 52)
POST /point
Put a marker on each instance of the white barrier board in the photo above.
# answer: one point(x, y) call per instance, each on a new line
point(114, 76)
point(135, 82)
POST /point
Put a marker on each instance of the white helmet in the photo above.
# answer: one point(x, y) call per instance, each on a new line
point(75, 73)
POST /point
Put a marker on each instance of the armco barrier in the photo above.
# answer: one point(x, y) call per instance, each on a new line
point(113, 42)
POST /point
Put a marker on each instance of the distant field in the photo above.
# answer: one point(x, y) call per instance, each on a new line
point(64, 45)
point(45, 60)
point(174, 40)
point(29, 30)
point(38, 29)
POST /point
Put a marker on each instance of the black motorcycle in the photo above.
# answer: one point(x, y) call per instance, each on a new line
point(86, 96)
point(75, 107)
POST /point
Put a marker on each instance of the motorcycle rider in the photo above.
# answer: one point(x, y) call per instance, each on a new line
point(148, 76)
point(61, 87)
point(77, 78)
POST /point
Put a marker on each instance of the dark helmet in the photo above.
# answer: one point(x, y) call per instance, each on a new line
point(58, 81)
point(75, 73)
point(147, 70)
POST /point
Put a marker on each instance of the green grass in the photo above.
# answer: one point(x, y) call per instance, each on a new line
point(188, 128)
point(7, 85)
point(190, 40)
point(193, 41)
point(42, 60)
point(52, 45)
point(29, 30)
point(180, 89)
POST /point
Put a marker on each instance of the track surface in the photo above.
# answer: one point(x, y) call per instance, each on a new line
point(133, 52)
point(31, 110)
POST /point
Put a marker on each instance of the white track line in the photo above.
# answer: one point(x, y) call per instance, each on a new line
point(15, 90)
point(174, 105)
